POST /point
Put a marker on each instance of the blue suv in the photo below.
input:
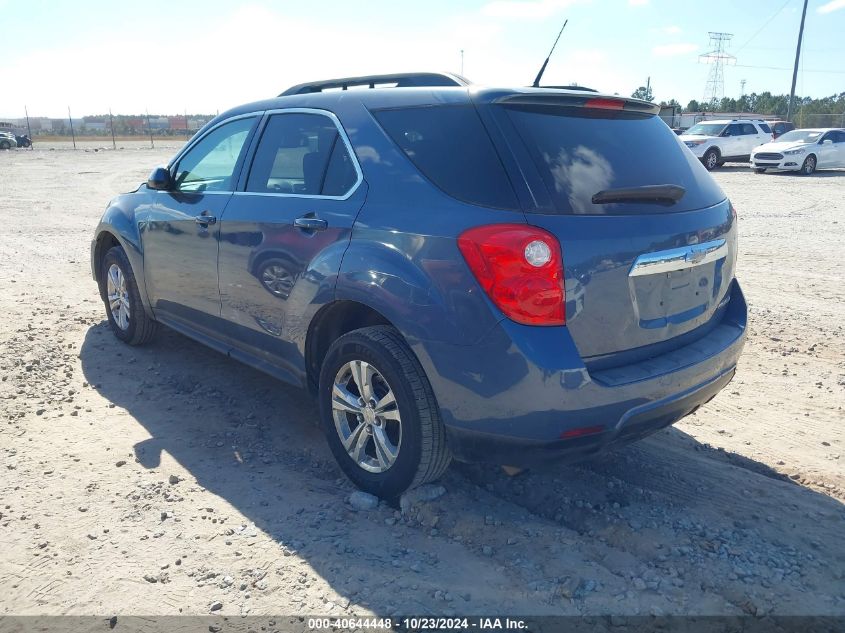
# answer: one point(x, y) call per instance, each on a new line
point(501, 275)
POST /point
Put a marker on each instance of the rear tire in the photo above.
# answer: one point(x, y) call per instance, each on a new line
point(128, 320)
point(809, 166)
point(759, 170)
point(711, 159)
point(414, 451)
point(5, 145)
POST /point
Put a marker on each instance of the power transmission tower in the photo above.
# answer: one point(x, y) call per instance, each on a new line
point(718, 58)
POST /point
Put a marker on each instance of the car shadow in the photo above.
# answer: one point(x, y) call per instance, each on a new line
point(254, 442)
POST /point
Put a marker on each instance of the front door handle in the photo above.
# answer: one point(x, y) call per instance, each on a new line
point(310, 223)
point(205, 219)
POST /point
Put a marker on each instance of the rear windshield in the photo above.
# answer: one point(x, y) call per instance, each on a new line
point(450, 146)
point(580, 152)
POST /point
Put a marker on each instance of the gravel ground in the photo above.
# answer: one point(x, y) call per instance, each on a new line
point(169, 479)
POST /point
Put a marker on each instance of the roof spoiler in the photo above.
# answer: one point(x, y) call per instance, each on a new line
point(395, 80)
point(581, 101)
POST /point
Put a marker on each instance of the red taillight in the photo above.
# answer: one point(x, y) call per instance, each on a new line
point(605, 104)
point(520, 268)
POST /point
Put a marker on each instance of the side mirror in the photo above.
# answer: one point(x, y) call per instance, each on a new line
point(827, 141)
point(725, 133)
point(160, 179)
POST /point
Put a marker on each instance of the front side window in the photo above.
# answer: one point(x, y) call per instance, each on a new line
point(302, 154)
point(210, 164)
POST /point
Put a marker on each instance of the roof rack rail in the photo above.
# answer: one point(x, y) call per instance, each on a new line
point(401, 80)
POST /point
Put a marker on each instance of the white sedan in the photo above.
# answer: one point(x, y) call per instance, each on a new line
point(802, 150)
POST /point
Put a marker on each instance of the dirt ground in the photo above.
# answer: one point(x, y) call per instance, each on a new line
point(168, 479)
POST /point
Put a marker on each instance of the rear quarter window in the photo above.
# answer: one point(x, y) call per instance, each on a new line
point(765, 128)
point(450, 146)
point(580, 152)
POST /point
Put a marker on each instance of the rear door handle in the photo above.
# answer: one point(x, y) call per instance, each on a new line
point(308, 223)
point(205, 219)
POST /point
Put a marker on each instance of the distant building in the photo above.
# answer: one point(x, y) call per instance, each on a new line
point(95, 123)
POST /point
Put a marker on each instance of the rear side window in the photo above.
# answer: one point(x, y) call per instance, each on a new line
point(451, 148)
point(748, 128)
point(580, 152)
point(301, 154)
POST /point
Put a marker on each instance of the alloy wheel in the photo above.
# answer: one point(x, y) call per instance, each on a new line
point(809, 165)
point(118, 296)
point(366, 416)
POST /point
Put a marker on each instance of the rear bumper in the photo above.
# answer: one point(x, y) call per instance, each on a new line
point(637, 423)
point(524, 394)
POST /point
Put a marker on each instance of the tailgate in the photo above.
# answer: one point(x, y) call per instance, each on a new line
point(634, 281)
point(648, 238)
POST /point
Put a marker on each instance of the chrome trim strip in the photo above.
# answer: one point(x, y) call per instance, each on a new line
point(330, 115)
point(679, 258)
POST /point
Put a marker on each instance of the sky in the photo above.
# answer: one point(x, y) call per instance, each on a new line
point(169, 57)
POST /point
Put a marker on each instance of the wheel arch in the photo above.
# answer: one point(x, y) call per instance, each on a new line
point(117, 229)
point(331, 322)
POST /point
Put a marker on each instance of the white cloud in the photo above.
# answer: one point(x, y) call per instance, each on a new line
point(833, 5)
point(672, 30)
point(673, 50)
point(529, 9)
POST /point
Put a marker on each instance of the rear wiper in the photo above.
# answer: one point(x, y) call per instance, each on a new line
point(658, 194)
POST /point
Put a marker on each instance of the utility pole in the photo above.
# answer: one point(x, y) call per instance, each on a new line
point(111, 125)
point(795, 70)
point(741, 96)
point(28, 129)
point(462, 62)
point(70, 118)
point(150, 128)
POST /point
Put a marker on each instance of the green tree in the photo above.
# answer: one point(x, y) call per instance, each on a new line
point(643, 93)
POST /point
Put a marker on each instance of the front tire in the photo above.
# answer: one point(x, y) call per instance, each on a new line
point(759, 170)
point(119, 290)
point(5, 145)
point(711, 159)
point(809, 166)
point(379, 414)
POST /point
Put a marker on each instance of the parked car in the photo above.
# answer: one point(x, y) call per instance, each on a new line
point(781, 127)
point(716, 142)
point(7, 140)
point(23, 140)
point(802, 150)
point(457, 272)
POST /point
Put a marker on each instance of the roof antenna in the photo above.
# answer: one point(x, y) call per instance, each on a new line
point(536, 83)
